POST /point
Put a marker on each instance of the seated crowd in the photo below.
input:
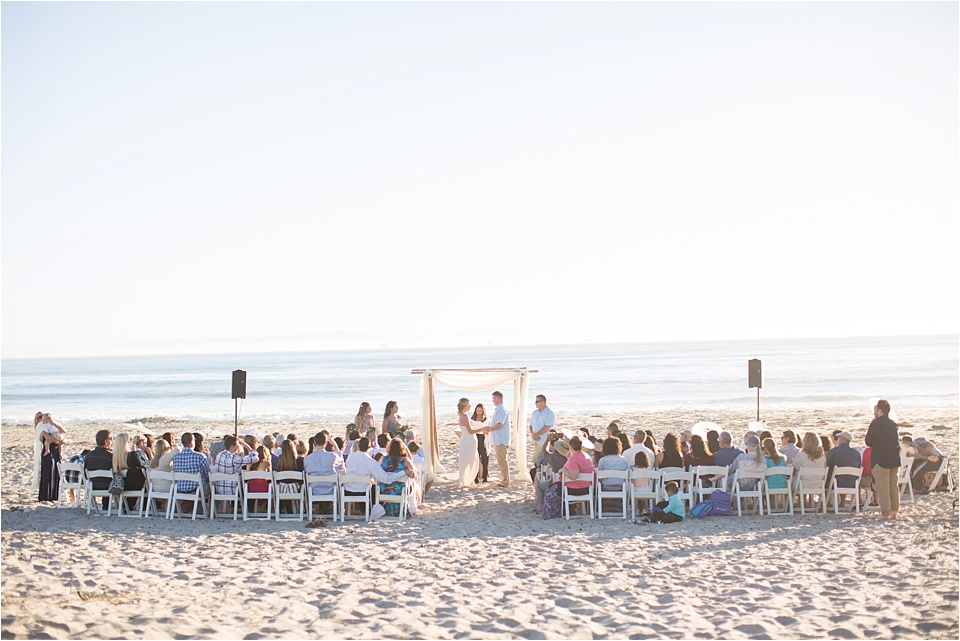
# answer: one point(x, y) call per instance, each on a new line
point(391, 461)
point(583, 454)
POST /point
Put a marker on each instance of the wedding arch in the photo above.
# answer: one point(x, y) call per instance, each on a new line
point(473, 380)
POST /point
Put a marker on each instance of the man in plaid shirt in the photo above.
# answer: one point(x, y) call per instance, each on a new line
point(229, 461)
point(190, 462)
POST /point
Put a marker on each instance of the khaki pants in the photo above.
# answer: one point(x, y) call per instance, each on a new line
point(888, 492)
point(536, 453)
point(501, 452)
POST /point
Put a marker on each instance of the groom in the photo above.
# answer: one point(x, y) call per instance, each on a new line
point(500, 438)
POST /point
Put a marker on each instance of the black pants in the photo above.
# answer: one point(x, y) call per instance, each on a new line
point(482, 475)
point(664, 517)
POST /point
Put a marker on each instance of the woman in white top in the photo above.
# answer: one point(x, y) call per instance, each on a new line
point(162, 462)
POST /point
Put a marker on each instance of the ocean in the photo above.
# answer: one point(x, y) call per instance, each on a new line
point(577, 379)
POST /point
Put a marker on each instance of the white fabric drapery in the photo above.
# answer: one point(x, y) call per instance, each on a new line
point(473, 381)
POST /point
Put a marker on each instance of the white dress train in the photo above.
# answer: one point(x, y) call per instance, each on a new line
point(469, 458)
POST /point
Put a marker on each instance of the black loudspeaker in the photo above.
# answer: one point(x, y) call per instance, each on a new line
point(240, 384)
point(753, 369)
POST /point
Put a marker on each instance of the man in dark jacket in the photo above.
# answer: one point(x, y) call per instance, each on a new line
point(101, 458)
point(884, 440)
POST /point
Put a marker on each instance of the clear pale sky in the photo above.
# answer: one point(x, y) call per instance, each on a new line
point(180, 177)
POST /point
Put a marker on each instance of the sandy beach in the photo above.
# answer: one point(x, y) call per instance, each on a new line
point(481, 563)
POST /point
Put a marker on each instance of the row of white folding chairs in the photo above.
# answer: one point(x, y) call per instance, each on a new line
point(295, 487)
point(698, 483)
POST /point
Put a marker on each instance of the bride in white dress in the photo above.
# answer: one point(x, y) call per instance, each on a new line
point(469, 457)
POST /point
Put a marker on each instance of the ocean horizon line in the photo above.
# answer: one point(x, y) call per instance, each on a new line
point(475, 345)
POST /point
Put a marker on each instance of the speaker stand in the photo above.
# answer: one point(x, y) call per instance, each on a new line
point(758, 405)
point(236, 415)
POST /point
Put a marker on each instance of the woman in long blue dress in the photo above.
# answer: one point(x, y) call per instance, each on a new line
point(397, 459)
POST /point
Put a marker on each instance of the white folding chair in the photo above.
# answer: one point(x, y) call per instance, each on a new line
point(224, 482)
point(618, 495)
point(333, 498)
point(651, 494)
point(756, 493)
point(245, 477)
point(366, 498)
point(283, 486)
point(421, 481)
point(91, 495)
point(194, 496)
point(707, 479)
point(401, 499)
point(577, 498)
point(786, 473)
point(944, 469)
point(123, 508)
point(683, 479)
point(811, 483)
point(837, 491)
point(904, 480)
point(76, 486)
point(159, 488)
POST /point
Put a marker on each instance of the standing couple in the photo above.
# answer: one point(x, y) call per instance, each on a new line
point(499, 436)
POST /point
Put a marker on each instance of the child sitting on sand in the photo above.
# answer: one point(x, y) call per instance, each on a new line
point(669, 511)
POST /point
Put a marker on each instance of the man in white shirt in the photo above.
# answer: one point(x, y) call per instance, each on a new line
point(542, 420)
point(631, 454)
point(360, 462)
point(323, 462)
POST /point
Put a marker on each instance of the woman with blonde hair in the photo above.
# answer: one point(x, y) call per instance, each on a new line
point(130, 463)
point(469, 455)
point(810, 455)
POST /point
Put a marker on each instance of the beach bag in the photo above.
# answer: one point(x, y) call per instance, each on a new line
point(551, 502)
point(721, 503)
point(703, 508)
point(116, 485)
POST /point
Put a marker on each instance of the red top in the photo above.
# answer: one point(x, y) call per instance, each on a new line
point(580, 462)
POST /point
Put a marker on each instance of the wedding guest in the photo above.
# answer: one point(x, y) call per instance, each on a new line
point(148, 445)
point(302, 448)
point(361, 463)
point(788, 446)
point(638, 446)
point(189, 461)
point(416, 455)
point(611, 459)
point(773, 458)
point(671, 455)
point(764, 435)
point(727, 453)
point(651, 445)
point(541, 422)
point(171, 440)
point(130, 463)
point(352, 437)
point(641, 462)
point(842, 455)
point(397, 459)
point(200, 448)
point(101, 459)
point(884, 441)
point(749, 461)
point(252, 441)
point(713, 440)
point(624, 441)
point(391, 419)
point(272, 446)
point(811, 455)
point(927, 460)
point(578, 464)
point(231, 461)
point(258, 486)
point(671, 510)
point(162, 461)
point(324, 463)
point(698, 454)
point(216, 447)
point(685, 437)
point(826, 442)
point(480, 414)
point(364, 418)
point(46, 456)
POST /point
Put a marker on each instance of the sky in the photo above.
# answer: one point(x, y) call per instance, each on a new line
point(188, 177)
